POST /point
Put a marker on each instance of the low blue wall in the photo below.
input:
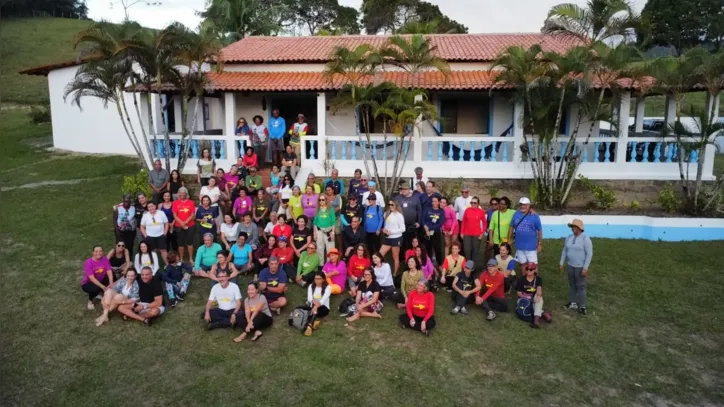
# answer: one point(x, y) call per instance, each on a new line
point(637, 227)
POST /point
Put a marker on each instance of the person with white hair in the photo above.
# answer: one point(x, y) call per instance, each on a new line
point(373, 190)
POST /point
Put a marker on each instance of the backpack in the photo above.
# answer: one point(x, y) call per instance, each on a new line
point(345, 306)
point(299, 317)
point(524, 309)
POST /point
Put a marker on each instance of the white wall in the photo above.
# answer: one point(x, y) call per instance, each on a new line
point(249, 105)
point(502, 115)
point(341, 122)
point(216, 113)
point(95, 128)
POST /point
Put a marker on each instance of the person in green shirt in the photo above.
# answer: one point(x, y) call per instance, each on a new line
point(206, 256)
point(253, 181)
point(324, 222)
point(500, 225)
point(295, 202)
point(308, 265)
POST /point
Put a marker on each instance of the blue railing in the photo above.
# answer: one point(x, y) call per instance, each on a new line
point(175, 148)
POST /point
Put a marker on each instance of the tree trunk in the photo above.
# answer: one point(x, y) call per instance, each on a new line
point(133, 131)
point(140, 123)
point(362, 144)
point(128, 134)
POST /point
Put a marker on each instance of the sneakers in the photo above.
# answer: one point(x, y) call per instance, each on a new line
point(547, 317)
point(464, 311)
point(571, 305)
point(308, 331)
point(316, 324)
point(345, 314)
point(535, 323)
point(582, 310)
point(174, 303)
point(455, 310)
point(214, 325)
point(91, 306)
point(179, 297)
point(491, 315)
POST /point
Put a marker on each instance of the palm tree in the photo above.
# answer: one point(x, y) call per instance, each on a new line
point(413, 54)
point(234, 20)
point(599, 20)
point(709, 72)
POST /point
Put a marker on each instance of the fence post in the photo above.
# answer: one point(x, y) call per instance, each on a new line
point(518, 129)
point(321, 152)
point(230, 126)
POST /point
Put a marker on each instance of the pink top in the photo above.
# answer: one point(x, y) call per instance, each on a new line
point(451, 223)
point(230, 180)
point(242, 206)
point(97, 268)
point(427, 269)
point(341, 278)
point(309, 204)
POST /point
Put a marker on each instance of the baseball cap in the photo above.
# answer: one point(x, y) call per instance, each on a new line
point(372, 183)
point(470, 264)
point(404, 185)
point(524, 201)
point(492, 262)
point(282, 238)
point(372, 197)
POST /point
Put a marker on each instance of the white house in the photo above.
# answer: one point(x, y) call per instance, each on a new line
point(480, 137)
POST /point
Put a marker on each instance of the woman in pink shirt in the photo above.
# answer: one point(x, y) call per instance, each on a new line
point(309, 203)
point(336, 271)
point(450, 228)
point(242, 205)
point(97, 275)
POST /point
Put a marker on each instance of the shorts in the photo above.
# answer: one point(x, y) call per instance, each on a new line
point(145, 305)
point(394, 242)
point(156, 243)
point(277, 144)
point(526, 256)
point(184, 237)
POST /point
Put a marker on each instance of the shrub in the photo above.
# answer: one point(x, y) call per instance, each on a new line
point(493, 192)
point(634, 206)
point(450, 189)
point(135, 184)
point(669, 200)
point(39, 114)
point(604, 198)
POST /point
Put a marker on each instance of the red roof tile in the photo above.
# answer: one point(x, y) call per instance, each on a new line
point(43, 70)
point(451, 47)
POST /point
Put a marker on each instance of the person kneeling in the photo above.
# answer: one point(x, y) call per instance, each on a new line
point(465, 288)
point(150, 299)
point(257, 314)
point(420, 309)
point(228, 297)
point(530, 293)
point(492, 297)
point(367, 300)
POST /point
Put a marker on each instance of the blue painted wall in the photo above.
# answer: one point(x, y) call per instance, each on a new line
point(656, 233)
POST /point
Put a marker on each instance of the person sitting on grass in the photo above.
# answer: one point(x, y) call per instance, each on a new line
point(176, 277)
point(285, 254)
point(530, 292)
point(420, 309)
point(241, 255)
point(506, 264)
point(257, 315)
point(251, 230)
point(307, 265)
point(206, 256)
point(223, 263)
point(273, 284)
point(492, 295)
point(150, 299)
point(409, 280)
point(97, 275)
point(146, 258)
point(124, 291)
point(465, 287)
point(367, 300)
point(336, 271)
point(383, 276)
point(356, 265)
point(120, 259)
point(452, 266)
point(428, 270)
point(228, 297)
point(318, 294)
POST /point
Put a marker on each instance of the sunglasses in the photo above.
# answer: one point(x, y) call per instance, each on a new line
point(322, 200)
point(391, 205)
point(473, 203)
point(120, 245)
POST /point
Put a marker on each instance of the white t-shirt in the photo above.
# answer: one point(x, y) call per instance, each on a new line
point(318, 295)
point(378, 194)
point(155, 224)
point(395, 223)
point(144, 260)
point(269, 228)
point(383, 274)
point(231, 233)
point(225, 297)
point(461, 204)
point(213, 194)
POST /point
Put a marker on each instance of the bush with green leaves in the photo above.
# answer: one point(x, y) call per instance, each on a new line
point(39, 114)
point(137, 183)
point(450, 189)
point(669, 199)
point(603, 198)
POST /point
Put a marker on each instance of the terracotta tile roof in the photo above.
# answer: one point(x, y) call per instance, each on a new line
point(452, 47)
point(43, 70)
point(316, 81)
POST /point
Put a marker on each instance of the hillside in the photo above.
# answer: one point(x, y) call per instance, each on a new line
point(29, 42)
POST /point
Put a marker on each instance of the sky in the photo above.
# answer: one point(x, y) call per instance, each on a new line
point(480, 16)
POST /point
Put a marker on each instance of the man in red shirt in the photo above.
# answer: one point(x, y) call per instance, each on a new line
point(492, 296)
point(472, 228)
point(285, 254)
point(184, 213)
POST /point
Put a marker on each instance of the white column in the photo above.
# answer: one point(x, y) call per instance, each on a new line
point(321, 152)
point(518, 110)
point(669, 112)
point(624, 108)
point(573, 111)
point(230, 125)
point(155, 114)
point(712, 100)
point(640, 113)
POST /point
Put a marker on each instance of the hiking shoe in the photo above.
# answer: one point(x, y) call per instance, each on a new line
point(455, 310)
point(571, 305)
point(547, 317)
point(179, 297)
point(316, 324)
point(91, 306)
point(464, 311)
point(535, 323)
point(174, 303)
point(491, 315)
point(214, 325)
point(345, 314)
point(308, 331)
point(582, 310)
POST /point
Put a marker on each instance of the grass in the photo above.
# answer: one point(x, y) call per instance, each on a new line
point(656, 105)
point(653, 334)
point(30, 42)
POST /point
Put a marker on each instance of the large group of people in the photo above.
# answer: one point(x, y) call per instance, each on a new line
point(332, 238)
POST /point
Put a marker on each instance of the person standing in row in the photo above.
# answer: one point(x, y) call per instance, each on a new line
point(411, 209)
point(432, 219)
point(184, 214)
point(472, 229)
point(259, 137)
point(206, 167)
point(296, 133)
point(527, 232)
point(499, 226)
point(576, 258)
point(277, 128)
point(373, 222)
point(158, 179)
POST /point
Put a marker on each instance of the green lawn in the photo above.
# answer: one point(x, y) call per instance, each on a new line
point(653, 335)
point(656, 105)
point(30, 42)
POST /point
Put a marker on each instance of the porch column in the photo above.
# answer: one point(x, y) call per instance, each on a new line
point(640, 113)
point(321, 152)
point(518, 129)
point(669, 112)
point(155, 114)
point(624, 108)
point(230, 126)
point(712, 102)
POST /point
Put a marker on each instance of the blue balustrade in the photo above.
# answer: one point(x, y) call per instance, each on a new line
point(505, 152)
point(607, 152)
point(439, 151)
point(668, 152)
point(462, 151)
point(657, 153)
point(374, 148)
point(394, 149)
point(177, 148)
point(449, 151)
point(213, 148)
point(596, 155)
point(429, 151)
point(482, 151)
point(158, 149)
point(406, 147)
point(222, 149)
point(194, 149)
point(584, 157)
point(354, 151)
point(693, 156)
point(312, 152)
point(344, 150)
point(333, 149)
point(493, 153)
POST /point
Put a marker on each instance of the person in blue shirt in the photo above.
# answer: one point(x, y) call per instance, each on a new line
point(273, 284)
point(241, 254)
point(426, 198)
point(432, 219)
point(373, 222)
point(336, 183)
point(355, 183)
point(277, 129)
point(527, 232)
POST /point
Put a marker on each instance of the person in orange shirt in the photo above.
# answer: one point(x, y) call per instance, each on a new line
point(356, 266)
point(492, 296)
point(420, 309)
point(285, 254)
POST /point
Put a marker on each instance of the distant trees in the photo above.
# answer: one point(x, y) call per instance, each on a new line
point(682, 24)
point(53, 8)
point(396, 16)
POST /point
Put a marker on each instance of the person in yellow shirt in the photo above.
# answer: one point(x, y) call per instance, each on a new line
point(500, 225)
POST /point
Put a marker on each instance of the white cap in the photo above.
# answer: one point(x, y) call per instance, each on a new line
point(524, 201)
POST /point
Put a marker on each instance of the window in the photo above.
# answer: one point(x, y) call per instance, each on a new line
point(464, 114)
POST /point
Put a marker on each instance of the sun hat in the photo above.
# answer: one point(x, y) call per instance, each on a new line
point(577, 223)
point(404, 185)
point(333, 251)
point(524, 201)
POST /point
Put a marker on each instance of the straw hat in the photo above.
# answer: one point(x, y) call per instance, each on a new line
point(577, 223)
